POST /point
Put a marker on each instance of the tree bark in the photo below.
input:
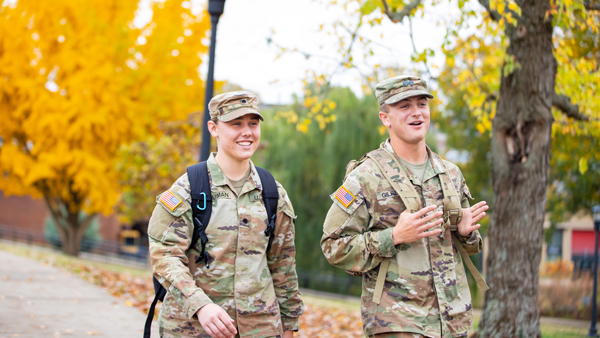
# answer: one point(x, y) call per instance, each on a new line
point(520, 149)
point(68, 226)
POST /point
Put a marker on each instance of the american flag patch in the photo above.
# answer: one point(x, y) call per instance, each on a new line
point(344, 196)
point(170, 200)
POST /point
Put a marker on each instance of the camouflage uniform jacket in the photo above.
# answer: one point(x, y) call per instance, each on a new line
point(425, 290)
point(258, 289)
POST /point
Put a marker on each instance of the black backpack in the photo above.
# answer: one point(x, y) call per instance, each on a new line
point(201, 210)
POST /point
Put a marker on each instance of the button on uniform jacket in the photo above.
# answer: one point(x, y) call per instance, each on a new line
point(258, 289)
point(425, 290)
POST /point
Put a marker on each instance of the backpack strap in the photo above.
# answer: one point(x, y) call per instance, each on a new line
point(452, 205)
point(465, 256)
point(159, 295)
point(201, 210)
point(452, 211)
point(353, 164)
point(407, 194)
point(453, 215)
point(201, 207)
point(270, 197)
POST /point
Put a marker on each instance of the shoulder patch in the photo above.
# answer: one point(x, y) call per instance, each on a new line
point(169, 200)
point(344, 196)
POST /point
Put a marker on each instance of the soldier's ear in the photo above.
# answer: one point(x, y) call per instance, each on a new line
point(212, 129)
point(385, 119)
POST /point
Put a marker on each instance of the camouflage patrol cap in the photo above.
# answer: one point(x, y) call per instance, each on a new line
point(231, 105)
point(399, 88)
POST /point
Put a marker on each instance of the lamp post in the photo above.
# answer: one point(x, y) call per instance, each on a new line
point(596, 216)
point(215, 9)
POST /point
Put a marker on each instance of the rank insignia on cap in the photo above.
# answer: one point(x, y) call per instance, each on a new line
point(344, 196)
point(170, 200)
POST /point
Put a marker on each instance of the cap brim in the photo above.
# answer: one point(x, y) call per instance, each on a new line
point(240, 112)
point(404, 95)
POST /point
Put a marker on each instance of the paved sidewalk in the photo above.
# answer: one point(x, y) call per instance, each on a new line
point(38, 300)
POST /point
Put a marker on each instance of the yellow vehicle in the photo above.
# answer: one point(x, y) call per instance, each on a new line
point(130, 241)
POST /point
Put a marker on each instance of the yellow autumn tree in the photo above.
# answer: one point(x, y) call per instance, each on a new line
point(79, 80)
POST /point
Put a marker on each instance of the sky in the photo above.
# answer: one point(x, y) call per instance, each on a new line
point(244, 56)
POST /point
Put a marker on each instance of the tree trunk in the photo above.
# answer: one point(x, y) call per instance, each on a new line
point(75, 230)
point(520, 152)
point(68, 226)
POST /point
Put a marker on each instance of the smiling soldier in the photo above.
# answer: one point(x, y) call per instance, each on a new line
point(402, 220)
point(239, 279)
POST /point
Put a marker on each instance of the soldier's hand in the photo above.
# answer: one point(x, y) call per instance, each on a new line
point(411, 227)
point(288, 334)
point(470, 218)
point(216, 321)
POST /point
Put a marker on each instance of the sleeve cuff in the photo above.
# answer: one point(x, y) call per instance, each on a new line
point(471, 239)
point(198, 300)
point(290, 323)
point(386, 243)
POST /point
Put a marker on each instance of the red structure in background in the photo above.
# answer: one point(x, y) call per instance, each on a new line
point(29, 213)
point(582, 242)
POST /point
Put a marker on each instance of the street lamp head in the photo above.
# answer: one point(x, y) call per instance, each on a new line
point(216, 7)
point(596, 213)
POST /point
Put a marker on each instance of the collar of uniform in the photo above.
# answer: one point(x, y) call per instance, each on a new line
point(216, 175)
point(218, 178)
point(253, 181)
point(436, 161)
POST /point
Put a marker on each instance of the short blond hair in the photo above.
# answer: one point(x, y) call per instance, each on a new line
point(384, 108)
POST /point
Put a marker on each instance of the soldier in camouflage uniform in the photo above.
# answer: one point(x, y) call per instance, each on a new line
point(388, 223)
point(245, 290)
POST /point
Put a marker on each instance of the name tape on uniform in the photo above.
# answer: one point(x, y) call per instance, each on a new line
point(170, 200)
point(344, 196)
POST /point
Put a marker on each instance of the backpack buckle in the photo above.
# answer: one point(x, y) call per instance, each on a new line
point(271, 227)
point(454, 216)
point(198, 205)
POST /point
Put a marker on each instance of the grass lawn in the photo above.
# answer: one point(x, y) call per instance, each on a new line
point(312, 300)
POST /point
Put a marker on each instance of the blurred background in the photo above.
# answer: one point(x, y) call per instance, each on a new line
point(101, 110)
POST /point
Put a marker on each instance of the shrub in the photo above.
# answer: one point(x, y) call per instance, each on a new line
point(558, 269)
point(565, 297)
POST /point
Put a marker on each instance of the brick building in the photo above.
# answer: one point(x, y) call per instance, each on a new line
point(31, 213)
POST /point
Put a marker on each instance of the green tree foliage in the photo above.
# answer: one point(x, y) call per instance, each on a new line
point(311, 164)
point(574, 176)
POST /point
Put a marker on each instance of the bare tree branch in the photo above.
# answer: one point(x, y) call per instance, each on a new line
point(493, 14)
point(563, 103)
point(399, 16)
